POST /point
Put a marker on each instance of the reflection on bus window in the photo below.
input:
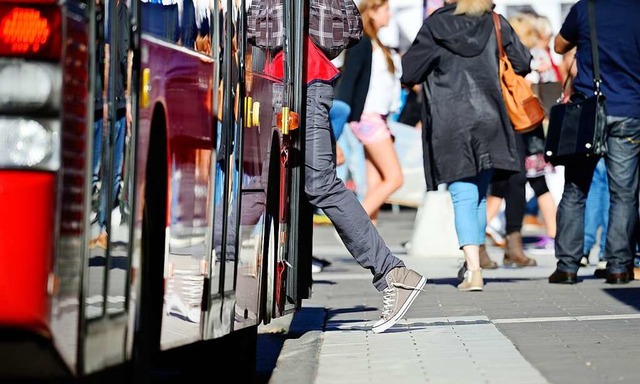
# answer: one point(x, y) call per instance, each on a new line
point(184, 22)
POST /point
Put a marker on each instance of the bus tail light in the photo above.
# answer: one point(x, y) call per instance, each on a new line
point(30, 31)
point(29, 86)
point(32, 144)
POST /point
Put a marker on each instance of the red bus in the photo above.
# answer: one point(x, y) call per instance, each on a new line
point(151, 187)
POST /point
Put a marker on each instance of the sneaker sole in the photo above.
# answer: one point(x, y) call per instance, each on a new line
point(470, 289)
point(379, 328)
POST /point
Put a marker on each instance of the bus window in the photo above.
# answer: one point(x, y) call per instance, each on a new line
point(183, 22)
point(161, 19)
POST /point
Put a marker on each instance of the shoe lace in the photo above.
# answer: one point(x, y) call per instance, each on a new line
point(388, 301)
point(389, 297)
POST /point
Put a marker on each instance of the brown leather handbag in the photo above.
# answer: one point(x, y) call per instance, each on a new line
point(524, 108)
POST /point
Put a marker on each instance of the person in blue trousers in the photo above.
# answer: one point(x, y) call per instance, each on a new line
point(596, 216)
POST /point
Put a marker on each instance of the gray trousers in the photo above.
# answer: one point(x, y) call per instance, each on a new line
point(327, 192)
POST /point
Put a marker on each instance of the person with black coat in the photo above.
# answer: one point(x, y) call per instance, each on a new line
point(466, 130)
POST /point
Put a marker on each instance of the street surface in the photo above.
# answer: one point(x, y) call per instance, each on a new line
point(520, 329)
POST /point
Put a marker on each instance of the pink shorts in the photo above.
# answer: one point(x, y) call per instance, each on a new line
point(372, 127)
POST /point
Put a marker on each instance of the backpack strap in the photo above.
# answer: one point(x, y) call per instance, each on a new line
point(594, 46)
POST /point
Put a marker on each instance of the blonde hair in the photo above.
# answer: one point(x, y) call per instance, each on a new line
point(473, 7)
point(524, 25)
point(544, 27)
point(370, 30)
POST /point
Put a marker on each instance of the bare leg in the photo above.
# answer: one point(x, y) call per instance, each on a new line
point(472, 256)
point(373, 181)
point(493, 207)
point(383, 156)
point(548, 209)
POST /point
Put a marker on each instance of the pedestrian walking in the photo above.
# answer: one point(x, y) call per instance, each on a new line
point(370, 84)
point(466, 130)
point(619, 65)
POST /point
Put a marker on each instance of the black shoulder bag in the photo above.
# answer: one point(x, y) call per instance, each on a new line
point(578, 128)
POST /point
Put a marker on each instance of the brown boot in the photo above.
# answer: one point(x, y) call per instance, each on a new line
point(514, 255)
point(485, 260)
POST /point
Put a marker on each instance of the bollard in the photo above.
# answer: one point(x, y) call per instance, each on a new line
point(434, 233)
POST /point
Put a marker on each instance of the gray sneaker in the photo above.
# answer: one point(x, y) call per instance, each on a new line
point(404, 285)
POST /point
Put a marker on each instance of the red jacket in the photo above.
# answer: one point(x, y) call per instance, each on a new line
point(319, 67)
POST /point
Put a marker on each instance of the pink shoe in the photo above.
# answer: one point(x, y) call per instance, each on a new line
point(545, 242)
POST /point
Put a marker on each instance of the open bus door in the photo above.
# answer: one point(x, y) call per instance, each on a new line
point(301, 216)
point(257, 222)
point(105, 313)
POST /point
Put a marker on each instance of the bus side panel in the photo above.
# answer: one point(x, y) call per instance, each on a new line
point(26, 248)
point(180, 81)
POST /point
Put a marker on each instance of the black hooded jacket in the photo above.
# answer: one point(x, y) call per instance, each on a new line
point(466, 128)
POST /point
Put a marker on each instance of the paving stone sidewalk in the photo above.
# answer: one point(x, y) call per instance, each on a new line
point(520, 329)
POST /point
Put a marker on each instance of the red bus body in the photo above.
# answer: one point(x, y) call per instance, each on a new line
point(27, 245)
point(198, 230)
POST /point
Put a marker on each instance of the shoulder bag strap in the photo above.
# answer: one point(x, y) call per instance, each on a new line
point(496, 24)
point(594, 46)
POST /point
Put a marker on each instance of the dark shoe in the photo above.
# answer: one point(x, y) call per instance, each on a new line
point(514, 255)
point(601, 270)
point(462, 271)
point(617, 278)
point(485, 260)
point(559, 277)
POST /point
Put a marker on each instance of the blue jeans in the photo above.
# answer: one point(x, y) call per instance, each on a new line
point(117, 158)
point(469, 197)
point(354, 165)
point(97, 150)
point(622, 163)
point(597, 210)
point(338, 114)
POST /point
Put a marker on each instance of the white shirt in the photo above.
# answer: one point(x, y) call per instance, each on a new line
point(383, 96)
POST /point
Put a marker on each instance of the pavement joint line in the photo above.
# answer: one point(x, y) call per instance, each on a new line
point(566, 318)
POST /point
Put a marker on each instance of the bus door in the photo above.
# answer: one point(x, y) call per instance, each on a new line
point(108, 265)
point(248, 275)
point(300, 239)
point(224, 201)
